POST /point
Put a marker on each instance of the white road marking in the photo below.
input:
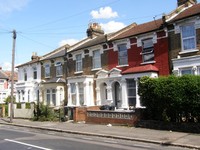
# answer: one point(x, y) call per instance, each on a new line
point(22, 143)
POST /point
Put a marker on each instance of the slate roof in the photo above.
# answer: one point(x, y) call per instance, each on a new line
point(59, 52)
point(189, 12)
point(28, 63)
point(92, 42)
point(140, 29)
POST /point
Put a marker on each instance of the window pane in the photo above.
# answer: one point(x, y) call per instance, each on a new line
point(96, 59)
point(148, 57)
point(189, 43)
point(81, 93)
point(132, 101)
point(186, 71)
point(48, 97)
point(188, 31)
point(47, 70)
point(78, 62)
point(54, 97)
point(122, 54)
point(59, 71)
point(188, 37)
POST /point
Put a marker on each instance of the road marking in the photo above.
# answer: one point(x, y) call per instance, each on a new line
point(22, 143)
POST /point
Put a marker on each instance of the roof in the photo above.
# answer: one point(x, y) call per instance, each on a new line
point(140, 29)
point(3, 75)
point(59, 52)
point(8, 73)
point(28, 63)
point(139, 69)
point(92, 42)
point(189, 12)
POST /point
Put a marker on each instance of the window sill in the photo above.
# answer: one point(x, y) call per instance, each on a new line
point(78, 72)
point(58, 76)
point(95, 69)
point(188, 51)
point(149, 62)
point(47, 77)
point(122, 66)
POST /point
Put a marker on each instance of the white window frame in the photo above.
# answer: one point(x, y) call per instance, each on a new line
point(116, 48)
point(96, 59)
point(59, 69)
point(25, 75)
point(186, 69)
point(35, 73)
point(47, 70)
point(53, 95)
point(192, 37)
point(73, 93)
point(146, 52)
point(131, 88)
point(122, 54)
point(81, 93)
point(48, 97)
point(79, 63)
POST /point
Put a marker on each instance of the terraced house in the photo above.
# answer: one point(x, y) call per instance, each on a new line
point(105, 69)
point(29, 78)
point(184, 39)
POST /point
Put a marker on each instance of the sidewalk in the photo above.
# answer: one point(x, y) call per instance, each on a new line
point(120, 132)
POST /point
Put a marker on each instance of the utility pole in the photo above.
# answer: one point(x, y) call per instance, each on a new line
point(12, 76)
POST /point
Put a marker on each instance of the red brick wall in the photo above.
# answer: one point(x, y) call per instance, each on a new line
point(108, 119)
point(135, 58)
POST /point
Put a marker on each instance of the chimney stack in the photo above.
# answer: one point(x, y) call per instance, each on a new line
point(94, 29)
point(186, 2)
point(34, 56)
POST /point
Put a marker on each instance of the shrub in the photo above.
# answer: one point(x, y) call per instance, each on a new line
point(45, 113)
point(170, 98)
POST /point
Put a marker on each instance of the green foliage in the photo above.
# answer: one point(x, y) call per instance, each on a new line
point(8, 100)
point(19, 106)
point(28, 105)
point(169, 98)
point(45, 113)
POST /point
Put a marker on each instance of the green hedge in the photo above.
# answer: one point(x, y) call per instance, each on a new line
point(171, 98)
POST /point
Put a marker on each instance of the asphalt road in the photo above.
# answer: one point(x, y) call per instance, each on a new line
point(18, 138)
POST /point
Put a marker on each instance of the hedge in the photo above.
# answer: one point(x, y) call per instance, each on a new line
point(172, 98)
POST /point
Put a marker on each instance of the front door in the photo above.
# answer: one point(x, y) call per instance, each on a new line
point(117, 95)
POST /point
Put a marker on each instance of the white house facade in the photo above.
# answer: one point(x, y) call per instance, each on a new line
point(29, 79)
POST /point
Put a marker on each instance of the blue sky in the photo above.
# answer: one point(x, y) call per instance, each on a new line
point(44, 25)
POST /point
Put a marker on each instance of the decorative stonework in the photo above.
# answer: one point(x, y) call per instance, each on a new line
point(111, 114)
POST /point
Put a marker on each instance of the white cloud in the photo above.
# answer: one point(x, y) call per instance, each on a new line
point(112, 26)
point(68, 41)
point(7, 66)
point(103, 13)
point(8, 6)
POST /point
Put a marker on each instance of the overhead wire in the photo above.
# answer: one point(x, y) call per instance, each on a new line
point(64, 18)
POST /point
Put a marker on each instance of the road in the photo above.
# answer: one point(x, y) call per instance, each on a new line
point(19, 138)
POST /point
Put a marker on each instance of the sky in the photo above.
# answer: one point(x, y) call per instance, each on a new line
point(44, 25)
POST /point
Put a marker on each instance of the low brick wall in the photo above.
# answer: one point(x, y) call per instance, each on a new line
point(80, 113)
point(113, 117)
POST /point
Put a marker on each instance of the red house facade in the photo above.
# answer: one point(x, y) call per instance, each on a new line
point(140, 50)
